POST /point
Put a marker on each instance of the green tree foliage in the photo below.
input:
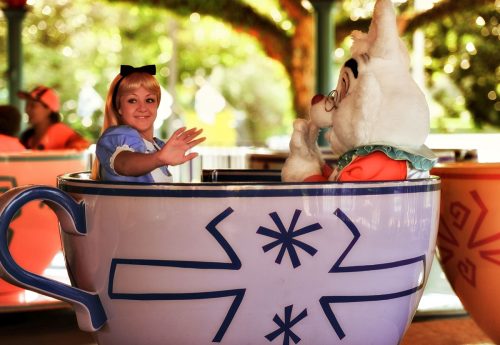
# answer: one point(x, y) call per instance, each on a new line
point(69, 44)
point(72, 44)
point(464, 52)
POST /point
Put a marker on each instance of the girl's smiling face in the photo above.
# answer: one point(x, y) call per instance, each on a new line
point(138, 109)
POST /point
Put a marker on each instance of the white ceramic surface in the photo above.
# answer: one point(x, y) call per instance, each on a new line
point(332, 263)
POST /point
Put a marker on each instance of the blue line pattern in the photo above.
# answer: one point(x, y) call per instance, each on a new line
point(234, 264)
point(286, 238)
point(328, 189)
point(285, 326)
point(325, 301)
point(283, 236)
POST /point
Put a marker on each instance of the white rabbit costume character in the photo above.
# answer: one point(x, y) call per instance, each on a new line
point(377, 116)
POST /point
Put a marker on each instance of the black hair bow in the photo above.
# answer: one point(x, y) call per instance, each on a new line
point(125, 70)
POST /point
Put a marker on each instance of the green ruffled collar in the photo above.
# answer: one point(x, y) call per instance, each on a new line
point(417, 162)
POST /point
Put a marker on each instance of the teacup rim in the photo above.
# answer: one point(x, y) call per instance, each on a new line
point(84, 177)
point(73, 183)
point(46, 155)
point(466, 164)
point(490, 170)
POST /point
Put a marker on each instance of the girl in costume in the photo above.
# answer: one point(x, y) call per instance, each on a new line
point(127, 151)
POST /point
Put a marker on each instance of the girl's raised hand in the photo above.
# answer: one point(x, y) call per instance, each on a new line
point(174, 151)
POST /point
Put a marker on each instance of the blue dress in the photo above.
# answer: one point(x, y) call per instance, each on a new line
point(125, 138)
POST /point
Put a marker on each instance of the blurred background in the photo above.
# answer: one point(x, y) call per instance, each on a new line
point(244, 69)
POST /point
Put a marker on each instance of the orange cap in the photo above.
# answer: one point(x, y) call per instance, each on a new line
point(44, 95)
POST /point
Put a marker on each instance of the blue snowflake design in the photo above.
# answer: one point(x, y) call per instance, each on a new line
point(285, 326)
point(287, 238)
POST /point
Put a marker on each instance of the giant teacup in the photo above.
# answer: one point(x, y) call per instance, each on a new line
point(253, 263)
point(33, 238)
point(469, 238)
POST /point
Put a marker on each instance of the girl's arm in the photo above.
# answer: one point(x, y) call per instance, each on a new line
point(129, 163)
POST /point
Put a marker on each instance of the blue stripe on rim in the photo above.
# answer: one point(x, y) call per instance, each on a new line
point(80, 186)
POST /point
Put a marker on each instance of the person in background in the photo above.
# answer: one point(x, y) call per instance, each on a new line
point(10, 122)
point(47, 132)
point(127, 150)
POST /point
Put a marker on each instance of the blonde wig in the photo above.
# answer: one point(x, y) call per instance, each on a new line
point(119, 86)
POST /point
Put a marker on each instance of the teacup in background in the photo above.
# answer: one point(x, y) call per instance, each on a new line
point(239, 263)
point(469, 238)
point(33, 237)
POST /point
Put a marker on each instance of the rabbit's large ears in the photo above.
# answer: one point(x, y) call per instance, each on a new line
point(383, 33)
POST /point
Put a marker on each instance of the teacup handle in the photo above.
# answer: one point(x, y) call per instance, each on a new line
point(71, 215)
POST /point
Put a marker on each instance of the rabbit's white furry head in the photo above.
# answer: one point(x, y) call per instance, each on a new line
point(376, 100)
